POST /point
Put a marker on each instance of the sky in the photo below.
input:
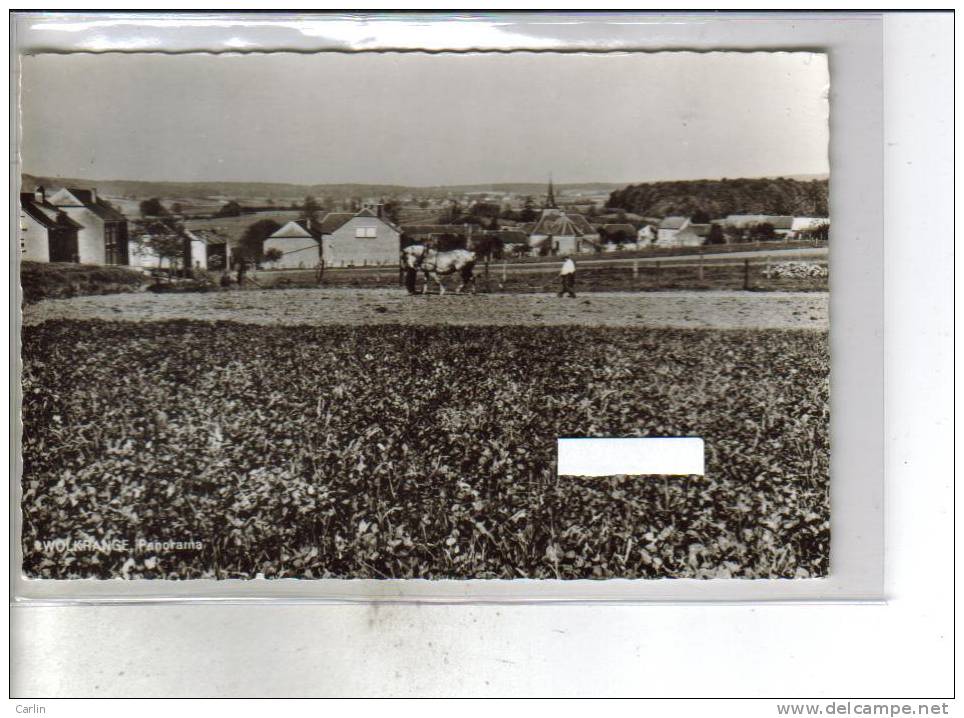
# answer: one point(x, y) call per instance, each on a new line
point(425, 119)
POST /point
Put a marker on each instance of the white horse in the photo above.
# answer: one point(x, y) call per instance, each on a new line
point(438, 264)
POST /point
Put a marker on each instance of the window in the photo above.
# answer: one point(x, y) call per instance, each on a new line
point(365, 232)
point(110, 244)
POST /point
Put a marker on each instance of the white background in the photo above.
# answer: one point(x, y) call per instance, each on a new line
point(900, 649)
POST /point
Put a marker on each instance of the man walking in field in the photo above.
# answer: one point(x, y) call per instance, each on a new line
point(567, 275)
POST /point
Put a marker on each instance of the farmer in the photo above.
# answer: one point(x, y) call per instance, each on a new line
point(410, 275)
point(567, 276)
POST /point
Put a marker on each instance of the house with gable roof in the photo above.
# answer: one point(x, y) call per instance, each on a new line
point(668, 229)
point(102, 237)
point(299, 244)
point(47, 234)
point(340, 239)
point(363, 239)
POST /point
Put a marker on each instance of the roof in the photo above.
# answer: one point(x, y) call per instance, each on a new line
point(781, 222)
point(74, 197)
point(204, 235)
point(333, 221)
point(232, 229)
point(295, 229)
point(96, 205)
point(45, 213)
point(557, 223)
point(700, 230)
point(673, 222)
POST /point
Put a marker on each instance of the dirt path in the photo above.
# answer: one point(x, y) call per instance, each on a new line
point(725, 310)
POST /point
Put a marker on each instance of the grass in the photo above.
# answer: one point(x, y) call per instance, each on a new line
point(421, 451)
point(55, 280)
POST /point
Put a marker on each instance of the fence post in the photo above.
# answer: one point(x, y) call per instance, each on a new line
point(488, 288)
point(503, 274)
point(766, 273)
point(701, 266)
point(635, 270)
point(746, 274)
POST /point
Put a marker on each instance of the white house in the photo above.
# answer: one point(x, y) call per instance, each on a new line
point(102, 237)
point(645, 236)
point(46, 233)
point(803, 225)
point(668, 229)
point(143, 255)
point(692, 235)
point(298, 243)
point(363, 239)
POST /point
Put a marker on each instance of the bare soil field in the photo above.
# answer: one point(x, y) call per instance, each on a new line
point(327, 306)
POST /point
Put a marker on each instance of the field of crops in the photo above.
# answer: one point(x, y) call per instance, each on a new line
point(417, 451)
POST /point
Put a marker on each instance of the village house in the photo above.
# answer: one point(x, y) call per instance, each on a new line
point(668, 229)
point(362, 239)
point(558, 232)
point(298, 242)
point(340, 239)
point(193, 255)
point(103, 234)
point(645, 236)
point(71, 225)
point(802, 226)
point(223, 236)
point(692, 235)
point(47, 234)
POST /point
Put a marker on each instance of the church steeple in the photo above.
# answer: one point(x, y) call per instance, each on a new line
point(550, 197)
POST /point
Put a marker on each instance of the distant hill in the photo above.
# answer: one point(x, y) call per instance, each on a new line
point(718, 198)
point(259, 190)
point(232, 190)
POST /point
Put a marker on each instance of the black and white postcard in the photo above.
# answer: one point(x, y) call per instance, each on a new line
point(342, 315)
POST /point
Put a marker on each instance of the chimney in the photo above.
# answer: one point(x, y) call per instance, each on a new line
point(39, 194)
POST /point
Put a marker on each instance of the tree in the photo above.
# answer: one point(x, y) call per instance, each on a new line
point(230, 209)
point(733, 234)
point(762, 232)
point(273, 255)
point(715, 235)
point(310, 207)
point(700, 217)
point(391, 209)
point(449, 241)
point(153, 208)
point(485, 210)
point(529, 212)
point(451, 213)
point(252, 241)
point(165, 237)
point(487, 245)
point(177, 208)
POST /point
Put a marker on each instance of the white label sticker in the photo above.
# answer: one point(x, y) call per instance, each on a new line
point(679, 456)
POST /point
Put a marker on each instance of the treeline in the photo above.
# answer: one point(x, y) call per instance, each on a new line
point(719, 198)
